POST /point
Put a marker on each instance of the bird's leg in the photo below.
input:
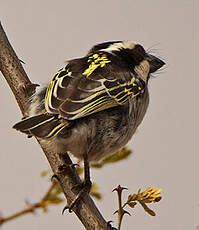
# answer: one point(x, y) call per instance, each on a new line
point(87, 180)
point(83, 188)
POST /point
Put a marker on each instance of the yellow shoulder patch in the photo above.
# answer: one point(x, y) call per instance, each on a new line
point(97, 60)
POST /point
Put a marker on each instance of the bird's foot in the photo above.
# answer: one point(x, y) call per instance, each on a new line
point(61, 170)
point(109, 226)
point(82, 189)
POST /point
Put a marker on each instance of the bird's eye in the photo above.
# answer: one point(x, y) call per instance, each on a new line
point(139, 49)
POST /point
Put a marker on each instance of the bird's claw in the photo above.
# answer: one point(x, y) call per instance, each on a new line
point(65, 208)
point(55, 177)
point(82, 189)
point(109, 226)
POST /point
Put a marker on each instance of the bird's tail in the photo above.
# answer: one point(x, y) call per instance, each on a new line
point(43, 125)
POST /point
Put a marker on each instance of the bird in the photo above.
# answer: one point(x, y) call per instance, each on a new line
point(94, 104)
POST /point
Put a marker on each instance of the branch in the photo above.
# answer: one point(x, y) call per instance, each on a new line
point(22, 89)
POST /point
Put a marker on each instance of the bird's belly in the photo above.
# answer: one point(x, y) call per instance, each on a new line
point(110, 148)
point(100, 135)
point(103, 133)
point(97, 149)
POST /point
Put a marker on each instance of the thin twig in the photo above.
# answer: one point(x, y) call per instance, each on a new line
point(45, 197)
point(121, 212)
point(31, 208)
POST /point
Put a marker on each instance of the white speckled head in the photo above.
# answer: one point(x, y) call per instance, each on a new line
point(120, 45)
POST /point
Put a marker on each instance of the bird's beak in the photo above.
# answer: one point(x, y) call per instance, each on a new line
point(154, 62)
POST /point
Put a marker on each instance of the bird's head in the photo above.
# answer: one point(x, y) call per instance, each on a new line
point(134, 55)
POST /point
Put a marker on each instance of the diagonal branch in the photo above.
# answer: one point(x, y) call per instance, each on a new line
point(22, 89)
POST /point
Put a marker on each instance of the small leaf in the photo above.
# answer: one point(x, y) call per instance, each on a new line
point(118, 156)
point(158, 199)
point(146, 201)
point(150, 195)
point(132, 198)
point(150, 212)
point(94, 188)
point(96, 195)
point(57, 190)
point(147, 209)
point(132, 204)
point(146, 192)
point(44, 173)
point(58, 200)
point(94, 192)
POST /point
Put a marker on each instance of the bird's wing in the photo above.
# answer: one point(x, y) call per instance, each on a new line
point(91, 84)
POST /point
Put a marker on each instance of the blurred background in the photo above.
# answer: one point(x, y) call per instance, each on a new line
point(44, 35)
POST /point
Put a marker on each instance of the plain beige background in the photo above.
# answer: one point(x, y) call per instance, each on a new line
point(47, 33)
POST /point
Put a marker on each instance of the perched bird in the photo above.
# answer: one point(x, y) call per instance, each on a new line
point(93, 106)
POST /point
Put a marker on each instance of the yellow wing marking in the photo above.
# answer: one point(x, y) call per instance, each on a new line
point(96, 60)
point(41, 123)
point(56, 130)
